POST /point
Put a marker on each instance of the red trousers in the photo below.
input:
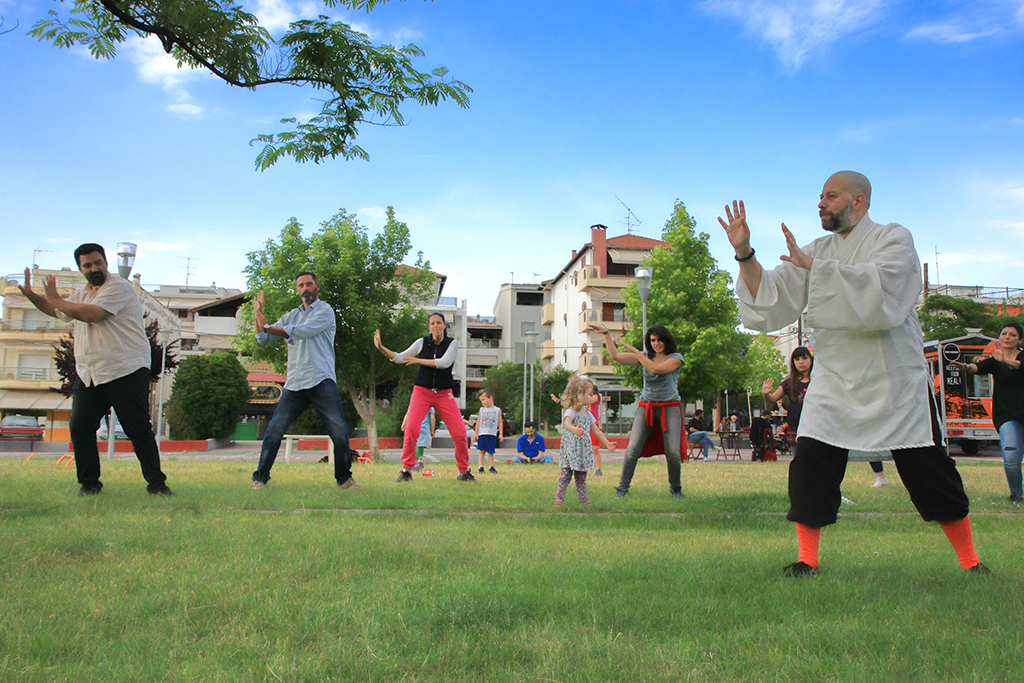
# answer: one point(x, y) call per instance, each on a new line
point(443, 402)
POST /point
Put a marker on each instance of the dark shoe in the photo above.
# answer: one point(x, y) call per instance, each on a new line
point(1016, 498)
point(257, 484)
point(89, 490)
point(480, 470)
point(162, 491)
point(492, 470)
point(799, 569)
point(980, 569)
point(405, 475)
point(598, 473)
point(350, 483)
point(679, 495)
point(621, 492)
point(466, 476)
point(418, 465)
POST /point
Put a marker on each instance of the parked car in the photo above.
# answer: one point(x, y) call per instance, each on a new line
point(21, 428)
point(101, 433)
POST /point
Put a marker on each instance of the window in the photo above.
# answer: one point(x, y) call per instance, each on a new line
point(529, 299)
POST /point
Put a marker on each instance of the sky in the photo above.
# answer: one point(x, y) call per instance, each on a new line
point(579, 110)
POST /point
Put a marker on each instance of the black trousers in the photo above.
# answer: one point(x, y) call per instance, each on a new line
point(129, 396)
point(930, 476)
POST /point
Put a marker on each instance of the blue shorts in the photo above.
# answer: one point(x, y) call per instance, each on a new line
point(487, 443)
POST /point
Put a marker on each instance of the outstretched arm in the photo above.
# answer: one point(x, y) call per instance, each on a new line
point(609, 344)
point(738, 232)
point(38, 300)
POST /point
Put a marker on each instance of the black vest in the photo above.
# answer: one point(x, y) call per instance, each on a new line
point(434, 378)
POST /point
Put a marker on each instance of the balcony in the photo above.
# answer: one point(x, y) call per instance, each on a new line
point(29, 378)
point(617, 323)
point(547, 349)
point(65, 282)
point(547, 314)
point(483, 343)
point(34, 330)
point(595, 364)
point(591, 277)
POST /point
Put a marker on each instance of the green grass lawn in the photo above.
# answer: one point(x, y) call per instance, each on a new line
point(438, 580)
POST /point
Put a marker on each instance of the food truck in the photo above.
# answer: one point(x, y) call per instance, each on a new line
point(964, 400)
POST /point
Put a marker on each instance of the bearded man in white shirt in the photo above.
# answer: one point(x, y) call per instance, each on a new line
point(871, 389)
point(112, 359)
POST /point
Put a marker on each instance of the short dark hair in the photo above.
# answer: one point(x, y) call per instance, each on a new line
point(485, 392)
point(1015, 325)
point(309, 273)
point(90, 248)
point(698, 412)
point(528, 423)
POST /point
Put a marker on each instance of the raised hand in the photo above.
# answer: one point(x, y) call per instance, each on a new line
point(376, 339)
point(598, 327)
point(26, 288)
point(736, 228)
point(259, 319)
point(50, 288)
point(796, 255)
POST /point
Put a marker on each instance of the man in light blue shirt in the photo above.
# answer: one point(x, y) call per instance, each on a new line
point(309, 332)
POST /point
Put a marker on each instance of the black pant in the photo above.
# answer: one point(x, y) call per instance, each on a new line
point(129, 396)
point(928, 473)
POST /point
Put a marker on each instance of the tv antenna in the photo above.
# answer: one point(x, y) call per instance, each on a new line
point(189, 268)
point(631, 220)
point(535, 276)
point(37, 252)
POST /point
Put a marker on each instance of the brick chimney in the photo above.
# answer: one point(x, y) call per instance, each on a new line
point(599, 242)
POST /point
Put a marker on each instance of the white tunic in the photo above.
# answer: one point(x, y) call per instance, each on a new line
point(869, 387)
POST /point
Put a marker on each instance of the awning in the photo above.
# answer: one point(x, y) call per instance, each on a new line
point(33, 399)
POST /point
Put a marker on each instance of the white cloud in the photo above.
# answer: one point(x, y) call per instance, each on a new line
point(800, 29)
point(156, 66)
point(378, 213)
point(185, 109)
point(948, 33)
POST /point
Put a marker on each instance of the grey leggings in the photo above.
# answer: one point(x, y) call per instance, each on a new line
point(638, 436)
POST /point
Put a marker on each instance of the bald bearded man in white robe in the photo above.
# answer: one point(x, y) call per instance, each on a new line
point(870, 389)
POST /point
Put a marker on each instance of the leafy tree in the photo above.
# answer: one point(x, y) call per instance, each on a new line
point(364, 83)
point(763, 361)
point(693, 298)
point(946, 317)
point(364, 281)
point(208, 396)
point(67, 368)
point(506, 381)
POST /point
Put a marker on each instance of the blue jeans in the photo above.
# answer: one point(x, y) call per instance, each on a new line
point(1011, 438)
point(327, 403)
point(702, 439)
point(542, 459)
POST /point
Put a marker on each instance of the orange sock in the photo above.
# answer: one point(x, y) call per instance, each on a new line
point(808, 538)
point(959, 534)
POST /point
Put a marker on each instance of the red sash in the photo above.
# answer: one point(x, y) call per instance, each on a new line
point(655, 444)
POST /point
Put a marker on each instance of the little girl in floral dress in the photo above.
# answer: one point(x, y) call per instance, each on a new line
point(576, 454)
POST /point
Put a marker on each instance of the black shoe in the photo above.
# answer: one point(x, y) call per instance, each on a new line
point(164, 490)
point(492, 470)
point(1016, 498)
point(89, 490)
point(799, 569)
point(679, 495)
point(621, 492)
point(480, 470)
point(467, 476)
point(980, 569)
point(405, 475)
point(350, 483)
point(598, 473)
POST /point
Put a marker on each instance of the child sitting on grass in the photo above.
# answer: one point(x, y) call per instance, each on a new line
point(576, 454)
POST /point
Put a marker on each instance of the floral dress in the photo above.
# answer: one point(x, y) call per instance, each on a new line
point(576, 452)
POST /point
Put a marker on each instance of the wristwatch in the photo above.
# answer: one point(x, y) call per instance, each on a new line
point(266, 328)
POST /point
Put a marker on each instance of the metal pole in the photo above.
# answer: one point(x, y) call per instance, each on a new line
point(110, 434)
point(525, 348)
point(160, 410)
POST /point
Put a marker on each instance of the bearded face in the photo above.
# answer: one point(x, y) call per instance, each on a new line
point(839, 223)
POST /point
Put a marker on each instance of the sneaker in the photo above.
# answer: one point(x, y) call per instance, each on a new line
point(350, 483)
point(162, 491)
point(257, 485)
point(404, 475)
point(418, 465)
point(492, 470)
point(880, 482)
point(88, 490)
point(621, 492)
point(980, 569)
point(1016, 498)
point(679, 495)
point(480, 470)
point(843, 500)
point(799, 569)
point(467, 476)
point(598, 473)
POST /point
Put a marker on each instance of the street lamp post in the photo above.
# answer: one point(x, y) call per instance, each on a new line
point(643, 288)
point(531, 336)
point(163, 336)
point(126, 252)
